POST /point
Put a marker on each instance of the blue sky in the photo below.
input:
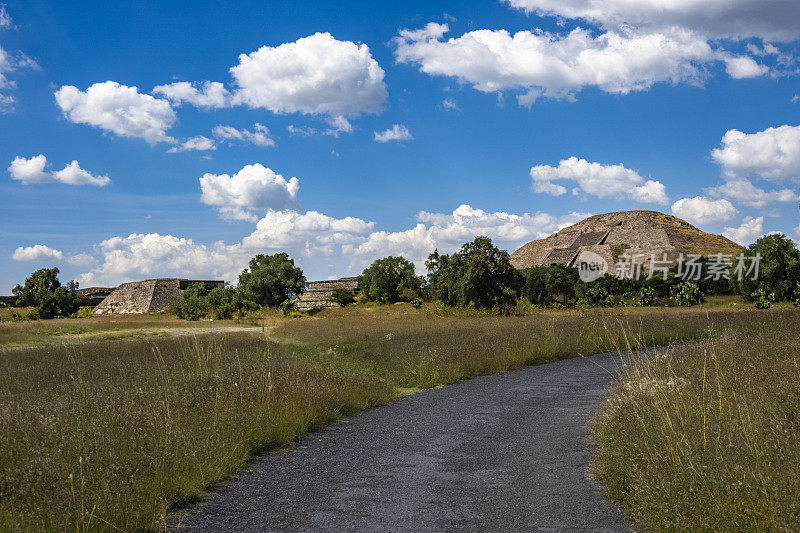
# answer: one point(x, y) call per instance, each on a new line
point(408, 126)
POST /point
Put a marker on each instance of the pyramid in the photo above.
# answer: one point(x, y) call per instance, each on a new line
point(644, 233)
point(148, 296)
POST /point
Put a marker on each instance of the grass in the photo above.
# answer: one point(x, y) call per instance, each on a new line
point(77, 330)
point(707, 437)
point(111, 435)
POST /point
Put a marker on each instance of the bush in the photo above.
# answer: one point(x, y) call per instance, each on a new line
point(797, 295)
point(597, 296)
point(687, 294)
point(343, 297)
point(763, 299)
point(416, 303)
point(224, 302)
point(192, 304)
point(43, 291)
point(646, 297)
point(288, 307)
point(271, 279)
point(387, 280)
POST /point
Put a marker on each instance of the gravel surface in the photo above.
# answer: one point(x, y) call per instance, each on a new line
point(494, 453)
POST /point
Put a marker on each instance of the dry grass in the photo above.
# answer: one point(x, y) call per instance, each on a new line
point(707, 437)
point(111, 435)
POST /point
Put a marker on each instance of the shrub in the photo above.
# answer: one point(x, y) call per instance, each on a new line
point(597, 296)
point(343, 297)
point(687, 294)
point(288, 307)
point(271, 279)
point(762, 299)
point(646, 297)
point(43, 291)
point(416, 303)
point(224, 302)
point(386, 280)
point(192, 304)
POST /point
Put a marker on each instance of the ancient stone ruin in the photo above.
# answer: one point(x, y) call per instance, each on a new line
point(318, 293)
point(635, 233)
point(148, 296)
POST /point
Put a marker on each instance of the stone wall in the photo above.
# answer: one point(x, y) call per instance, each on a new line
point(318, 293)
point(148, 296)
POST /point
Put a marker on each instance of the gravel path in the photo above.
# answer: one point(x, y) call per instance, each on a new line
point(494, 453)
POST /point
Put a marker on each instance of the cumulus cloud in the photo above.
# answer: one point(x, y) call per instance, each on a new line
point(398, 132)
point(700, 210)
point(744, 192)
point(450, 104)
point(259, 136)
point(199, 143)
point(119, 109)
point(254, 187)
point(448, 231)
point(773, 154)
point(603, 181)
point(82, 260)
point(30, 171)
point(208, 95)
point(322, 245)
point(558, 66)
point(748, 232)
point(313, 75)
point(37, 252)
point(777, 20)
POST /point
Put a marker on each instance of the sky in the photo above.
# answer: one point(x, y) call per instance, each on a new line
point(180, 139)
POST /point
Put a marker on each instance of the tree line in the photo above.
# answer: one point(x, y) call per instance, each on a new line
point(479, 275)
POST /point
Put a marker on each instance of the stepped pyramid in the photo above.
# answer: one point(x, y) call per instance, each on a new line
point(318, 293)
point(625, 232)
point(148, 296)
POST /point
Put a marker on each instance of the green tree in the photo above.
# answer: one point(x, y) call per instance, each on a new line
point(192, 304)
point(534, 285)
point(479, 275)
point(343, 297)
point(779, 268)
point(271, 279)
point(224, 302)
point(562, 281)
point(43, 291)
point(386, 280)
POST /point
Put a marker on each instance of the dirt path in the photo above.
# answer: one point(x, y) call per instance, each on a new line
point(495, 453)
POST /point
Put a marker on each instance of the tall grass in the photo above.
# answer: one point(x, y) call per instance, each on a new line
point(111, 435)
point(707, 437)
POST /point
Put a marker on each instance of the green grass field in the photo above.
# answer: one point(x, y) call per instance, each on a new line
point(112, 434)
point(707, 437)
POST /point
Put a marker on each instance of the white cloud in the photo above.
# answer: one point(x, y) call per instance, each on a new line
point(312, 231)
point(199, 143)
point(313, 75)
point(448, 231)
point(796, 99)
point(37, 252)
point(398, 132)
point(603, 181)
point(143, 256)
point(5, 18)
point(119, 109)
point(749, 231)
point(30, 171)
point(450, 104)
point(558, 66)
point(254, 187)
point(82, 260)
point(743, 191)
point(773, 154)
point(260, 135)
point(8, 64)
point(209, 95)
point(700, 210)
point(739, 67)
point(777, 20)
